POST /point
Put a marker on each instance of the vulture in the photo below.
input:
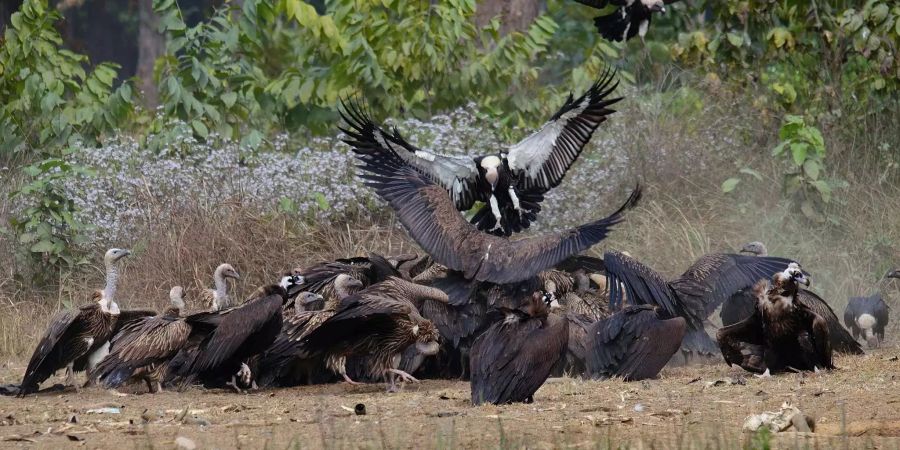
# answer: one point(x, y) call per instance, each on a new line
point(511, 183)
point(742, 305)
point(514, 357)
point(143, 349)
point(368, 270)
point(431, 218)
point(78, 339)
point(221, 341)
point(629, 19)
point(868, 316)
point(709, 281)
point(381, 322)
point(216, 299)
point(633, 344)
point(783, 334)
point(286, 361)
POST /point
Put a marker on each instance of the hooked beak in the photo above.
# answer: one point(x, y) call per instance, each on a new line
point(802, 279)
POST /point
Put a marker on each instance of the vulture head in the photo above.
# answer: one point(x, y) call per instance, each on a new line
point(491, 165)
point(427, 338)
point(292, 283)
point(113, 255)
point(786, 284)
point(893, 274)
point(345, 285)
point(755, 248)
point(176, 296)
point(655, 5)
point(226, 271)
point(306, 298)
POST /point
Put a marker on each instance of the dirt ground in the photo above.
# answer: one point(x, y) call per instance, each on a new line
point(685, 408)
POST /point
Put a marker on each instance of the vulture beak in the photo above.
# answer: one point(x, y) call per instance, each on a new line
point(748, 249)
point(802, 279)
point(313, 298)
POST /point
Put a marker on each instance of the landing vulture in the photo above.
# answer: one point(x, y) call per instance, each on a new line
point(514, 357)
point(431, 218)
point(783, 334)
point(512, 182)
point(709, 281)
point(630, 18)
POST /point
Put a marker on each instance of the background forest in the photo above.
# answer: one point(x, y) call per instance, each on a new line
point(197, 132)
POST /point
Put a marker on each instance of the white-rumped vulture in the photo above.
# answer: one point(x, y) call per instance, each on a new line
point(431, 218)
point(514, 357)
point(707, 283)
point(512, 182)
point(868, 316)
point(78, 339)
point(380, 321)
point(783, 334)
point(630, 18)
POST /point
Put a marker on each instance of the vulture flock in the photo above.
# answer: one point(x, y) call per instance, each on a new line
point(481, 305)
point(503, 313)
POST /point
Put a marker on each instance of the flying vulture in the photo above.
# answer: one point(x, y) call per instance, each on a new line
point(78, 339)
point(868, 316)
point(381, 322)
point(514, 357)
point(709, 281)
point(630, 18)
point(512, 182)
point(783, 334)
point(431, 218)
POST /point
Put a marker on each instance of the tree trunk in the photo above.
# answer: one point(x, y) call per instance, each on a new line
point(151, 45)
point(514, 15)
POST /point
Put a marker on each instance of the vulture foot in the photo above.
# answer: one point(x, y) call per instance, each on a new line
point(404, 376)
point(234, 384)
point(766, 374)
point(349, 380)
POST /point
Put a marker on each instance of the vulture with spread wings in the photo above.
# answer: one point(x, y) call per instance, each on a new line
point(431, 218)
point(511, 183)
point(630, 18)
point(709, 281)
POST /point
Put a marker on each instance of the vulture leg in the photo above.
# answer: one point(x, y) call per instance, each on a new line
point(234, 384)
point(70, 377)
point(822, 343)
point(515, 200)
point(495, 208)
point(404, 376)
point(348, 380)
point(765, 374)
point(246, 376)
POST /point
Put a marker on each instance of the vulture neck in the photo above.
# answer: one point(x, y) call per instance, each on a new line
point(421, 293)
point(107, 301)
point(220, 295)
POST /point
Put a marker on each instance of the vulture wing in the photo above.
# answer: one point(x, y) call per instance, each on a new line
point(235, 325)
point(148, 341)
point(130, 316)
point(643, 285)
point(716, 277)
point(362, 314)
point(540, 161)
point(456, 174)
point(434, 223)
point(634, 344)
point(52, 352)
point(510, 361)
point(738, 307)
point(743, 344)
point(841, 340)
point(588, 264)
point(850, 311)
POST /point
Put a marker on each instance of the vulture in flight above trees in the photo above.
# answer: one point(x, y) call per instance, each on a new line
point(709, 281)
point(868, 316)
point(783, 334)
point(630, 18)
point(431, 218)
point(512, 182)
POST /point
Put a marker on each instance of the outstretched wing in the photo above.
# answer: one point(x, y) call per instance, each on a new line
point(626, 277)
point(541, 160)
point(432, 220)
point(714, 278)
point(457, 174)
point(50, 353)
point(841, 340)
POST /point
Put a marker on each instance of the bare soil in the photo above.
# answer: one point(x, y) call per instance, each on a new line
point(685, 408)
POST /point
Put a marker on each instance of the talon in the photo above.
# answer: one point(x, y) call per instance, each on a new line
point(404, 376)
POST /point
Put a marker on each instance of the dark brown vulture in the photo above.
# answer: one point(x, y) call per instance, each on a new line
point(512, 182)
point(868, 316)
point(221, 341)
point(320, 278)
point(631, 17)
point(782, 334)
point(286, 362)
point(709, 281)
point(143, 349)
point(633, 344)
point(381, 322)
point(514, 357)
point(431, 218)
point(79, 339)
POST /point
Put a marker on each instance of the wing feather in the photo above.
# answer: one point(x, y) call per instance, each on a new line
point(841, 340)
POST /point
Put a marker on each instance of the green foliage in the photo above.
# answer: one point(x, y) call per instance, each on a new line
point(47, 228)
point(802, 148)
point(50, 101)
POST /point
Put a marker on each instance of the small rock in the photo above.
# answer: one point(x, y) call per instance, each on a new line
point(360, 409)
point(194, 420)
point(639, 408)
point(185, 443)
point(73, 419)
point(75, 438)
